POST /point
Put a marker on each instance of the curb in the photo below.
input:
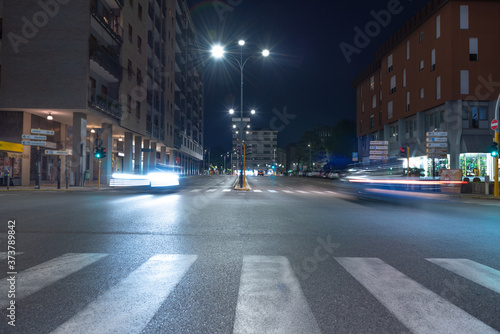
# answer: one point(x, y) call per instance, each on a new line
point(236, 187)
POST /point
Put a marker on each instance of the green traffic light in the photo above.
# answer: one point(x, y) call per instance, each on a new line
point(494, 154)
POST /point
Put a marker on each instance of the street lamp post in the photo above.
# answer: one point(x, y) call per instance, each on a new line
point(218, 52)
point(310, 164)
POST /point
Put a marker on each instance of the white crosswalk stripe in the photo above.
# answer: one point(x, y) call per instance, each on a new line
point(38, 277)
point(226, 190)
point(116, 311)
point(476, 272)
point(272, 191)
point(195, 190)
point(270, 299)
point(211, 190)
point(288, 191)
point(257, 191)
point(418, 308)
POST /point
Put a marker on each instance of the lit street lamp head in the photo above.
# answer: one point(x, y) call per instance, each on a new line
point(231, 111)
point(217, 51)
point(265, 52)
point(252, 111)
point(241, 42)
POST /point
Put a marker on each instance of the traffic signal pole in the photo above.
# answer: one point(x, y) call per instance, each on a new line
point(496, 192)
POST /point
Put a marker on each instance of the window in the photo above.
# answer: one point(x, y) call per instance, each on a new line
point(438, 26)
point(421, 39)
point(129, 103)
point(361, 90)
point(407, 101)
point(475, 117)
point(389, 110)
point(139, 11)
point(404, 77)
point(464, 82)
point(380, 97)
point(394, 132)
point(438, 88)
point(138, 109)
point(473, 49)
point(130, 72)
point(464, 17)
point(374, 101)
point(139, 77)
point(380, 117)
point(407, 50)
point(433, 60)
point(372, 122)
point(389, 63)
point(130, 33)
point(393, 84)
point(139, 44)
point(131, 2)
point(422, 64)
point(362, 107)
point(372, 83)
point(421, 93)
point(361, 126)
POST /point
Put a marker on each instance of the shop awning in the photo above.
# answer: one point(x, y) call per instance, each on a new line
point(11, 147)
point(475, 143)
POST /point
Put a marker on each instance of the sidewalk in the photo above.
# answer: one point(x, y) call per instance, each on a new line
point(89, 186)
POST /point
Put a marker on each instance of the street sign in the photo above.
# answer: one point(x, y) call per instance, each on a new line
point(437, 134)
point(494, 124)
point(52, 152)
point(238, 119)
point(33, 143)
point(42, 132)
point(437, 139)
point(436, 145)
point(437, 156)
point(379, 152)
point(354, 156)
point(37, 137)
point(437, 150)
point(379, 142)
point(379, 147)
point(377, 157)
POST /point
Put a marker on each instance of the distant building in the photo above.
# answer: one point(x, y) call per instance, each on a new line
point(116, 73)
point(438, 73)
point(265, 152)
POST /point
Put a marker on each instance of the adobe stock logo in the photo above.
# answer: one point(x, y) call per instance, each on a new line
point(40, 19)
point(372, 29)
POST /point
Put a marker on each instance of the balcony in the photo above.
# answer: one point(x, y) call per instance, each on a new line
point(105, 59)
point(106, 18)
point(104, 104)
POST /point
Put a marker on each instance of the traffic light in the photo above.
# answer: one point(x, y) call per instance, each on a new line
point(494, 149)
point(402, 151)
point(97, 153)
point(103, 152)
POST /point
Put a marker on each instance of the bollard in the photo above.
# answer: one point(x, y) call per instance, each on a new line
point(8, 180)
point(487, 185)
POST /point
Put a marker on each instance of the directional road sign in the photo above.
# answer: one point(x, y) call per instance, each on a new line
point(52, 152)
point(33, 143)
point(377, 157)
point(437, 139)
point(379, 142)
point(379, 147)
point(437, 134)
point(42, 132)
point(437, 150)
point(436, 144)
point(379, 152)
point(37, 137)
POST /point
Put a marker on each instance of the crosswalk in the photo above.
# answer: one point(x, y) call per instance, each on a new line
point(270, 297)
point(269, 191)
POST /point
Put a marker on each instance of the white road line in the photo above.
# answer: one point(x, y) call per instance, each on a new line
point(318, 192)
point(195, 190)
point(288, 191)
point(476, 272)
point(128, 306)
point(4, 255)
point(330, 192)
point(40, 276)
point(226, 190)
point(272, 191)
point(418, 308)
point(270, 299)
point(211, 190)
point(257, 191)
point(302, 192)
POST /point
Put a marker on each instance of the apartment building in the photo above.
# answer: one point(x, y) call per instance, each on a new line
point(264, 153)
point(437, 73)
point(98, 72)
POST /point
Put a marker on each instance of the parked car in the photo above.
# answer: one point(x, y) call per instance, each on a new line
point(261, 172)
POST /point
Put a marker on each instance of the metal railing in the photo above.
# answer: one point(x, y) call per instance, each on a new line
point(107, 19)
point(104, 104)
point(108, 61)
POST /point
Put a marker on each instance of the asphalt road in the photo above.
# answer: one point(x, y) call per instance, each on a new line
point(293, 255)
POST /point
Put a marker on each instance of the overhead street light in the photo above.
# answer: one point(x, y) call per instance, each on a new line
point(218, 52)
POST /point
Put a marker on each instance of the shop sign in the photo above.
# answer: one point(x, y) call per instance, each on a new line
point(12, 147)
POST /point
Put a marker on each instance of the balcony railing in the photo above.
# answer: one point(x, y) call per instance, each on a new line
point(107, 19)
point(108, 61)
point(104, 104)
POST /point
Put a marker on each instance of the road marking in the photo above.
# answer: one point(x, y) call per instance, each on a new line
point(211, 190)
point(4, 255)
point(302, 192)
point(330, 192)
point(272, 191)
point(40, 276)
point(288, 191)
point(128, 306)
point(226, 190)
point(270, 299)
point(476, 272)
point(257, 191)
point(318, 192)
point(195, 190)
point(418, 308)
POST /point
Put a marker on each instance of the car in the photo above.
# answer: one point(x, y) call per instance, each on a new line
point(161, 177)
point(261, 172)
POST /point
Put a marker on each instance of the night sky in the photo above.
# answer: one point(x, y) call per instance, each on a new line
point(307, 72)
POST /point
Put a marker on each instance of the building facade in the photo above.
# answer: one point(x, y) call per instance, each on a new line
point(437, 73)
point(106, 72)
point(264, 150)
